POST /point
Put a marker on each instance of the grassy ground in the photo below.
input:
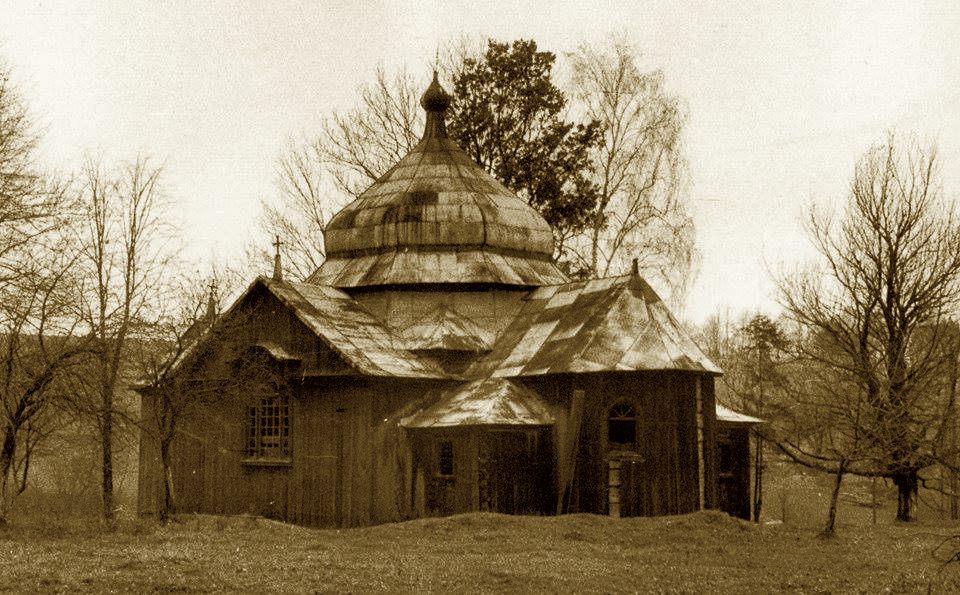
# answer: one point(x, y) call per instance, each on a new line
point(55, 545)
point(702, 552)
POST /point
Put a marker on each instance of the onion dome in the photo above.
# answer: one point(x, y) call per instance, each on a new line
point(437, 217)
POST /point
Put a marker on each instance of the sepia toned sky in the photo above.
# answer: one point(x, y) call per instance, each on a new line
point(781, 97)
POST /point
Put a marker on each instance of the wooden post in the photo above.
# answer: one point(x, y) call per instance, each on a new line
point(568, 458)
point(613, 488)
point(701, 459)
point(419, 494)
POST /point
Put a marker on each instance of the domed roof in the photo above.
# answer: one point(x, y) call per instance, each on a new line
point(437, 217)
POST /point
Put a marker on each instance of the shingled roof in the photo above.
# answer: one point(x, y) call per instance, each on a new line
point(337, 320)
point(611, 324)
point(491, 401)
point(359, 337)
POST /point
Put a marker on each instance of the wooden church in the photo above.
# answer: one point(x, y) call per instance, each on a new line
point(438, 362)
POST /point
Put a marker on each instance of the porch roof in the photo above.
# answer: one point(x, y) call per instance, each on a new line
point(491, 401)
point(725, 414)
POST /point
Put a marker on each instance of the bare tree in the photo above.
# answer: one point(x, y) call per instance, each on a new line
point(358, 146)
point(641, 211)
point(176, 384)
point(509, 120)
point(354, 148)
point(41, 357)
point(299, 215)
point(876, 317)
point(30, 198)
point(168, 394)
point(122, 235)
point(38, 347)
point(18, 141)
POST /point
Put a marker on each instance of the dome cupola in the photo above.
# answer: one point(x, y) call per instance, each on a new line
point(437, 217)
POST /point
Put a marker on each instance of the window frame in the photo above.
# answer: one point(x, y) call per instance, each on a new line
point(621, 413)
point(267, 428)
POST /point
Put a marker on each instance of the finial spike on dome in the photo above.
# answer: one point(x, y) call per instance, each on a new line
point(435, 99)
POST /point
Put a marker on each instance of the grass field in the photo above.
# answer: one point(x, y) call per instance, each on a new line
point(56, 545)
point(702, 552)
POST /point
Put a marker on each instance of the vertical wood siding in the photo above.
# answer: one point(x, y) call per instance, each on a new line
point(352, 464)
point(663, 478)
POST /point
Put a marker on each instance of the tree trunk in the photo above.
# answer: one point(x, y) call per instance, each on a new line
point(7, 452)
point(758, 481)
point(907, 484)
point(831, 529)
point(168, 506)
point(106, 436)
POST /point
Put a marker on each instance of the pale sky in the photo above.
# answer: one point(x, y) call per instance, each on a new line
point(782, 97)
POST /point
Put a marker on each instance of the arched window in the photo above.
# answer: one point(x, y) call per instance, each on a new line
point(622, 424)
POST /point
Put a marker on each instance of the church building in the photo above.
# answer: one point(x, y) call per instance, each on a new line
point(438, 362)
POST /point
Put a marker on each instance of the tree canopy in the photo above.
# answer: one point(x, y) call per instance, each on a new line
point(876, 320)
point(507, 115)
point(610, 183)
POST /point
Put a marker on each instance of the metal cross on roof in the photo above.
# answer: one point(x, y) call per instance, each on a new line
point(277, 265)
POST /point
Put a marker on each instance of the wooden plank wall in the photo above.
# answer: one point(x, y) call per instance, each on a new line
point(352, 460)
point(666, 481)
point(150, 488)
point(351, 463)
point(708, 394)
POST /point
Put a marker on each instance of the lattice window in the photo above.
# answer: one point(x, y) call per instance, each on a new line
point(268, 428)
point(622, 424)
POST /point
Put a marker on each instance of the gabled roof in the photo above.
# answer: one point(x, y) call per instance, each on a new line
point(445, 328)
point(492, 401)
point(339, 322)
point(350, 330)
point(612, 324)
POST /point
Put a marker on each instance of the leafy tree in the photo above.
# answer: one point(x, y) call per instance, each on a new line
point(611, 188)
point(875, 315)
point(507, 115)
point(639, 169)
point(754, 353)
point(764, 343)
point(525, 143)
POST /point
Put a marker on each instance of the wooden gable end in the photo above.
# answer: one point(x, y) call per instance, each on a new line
point(262, 321)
